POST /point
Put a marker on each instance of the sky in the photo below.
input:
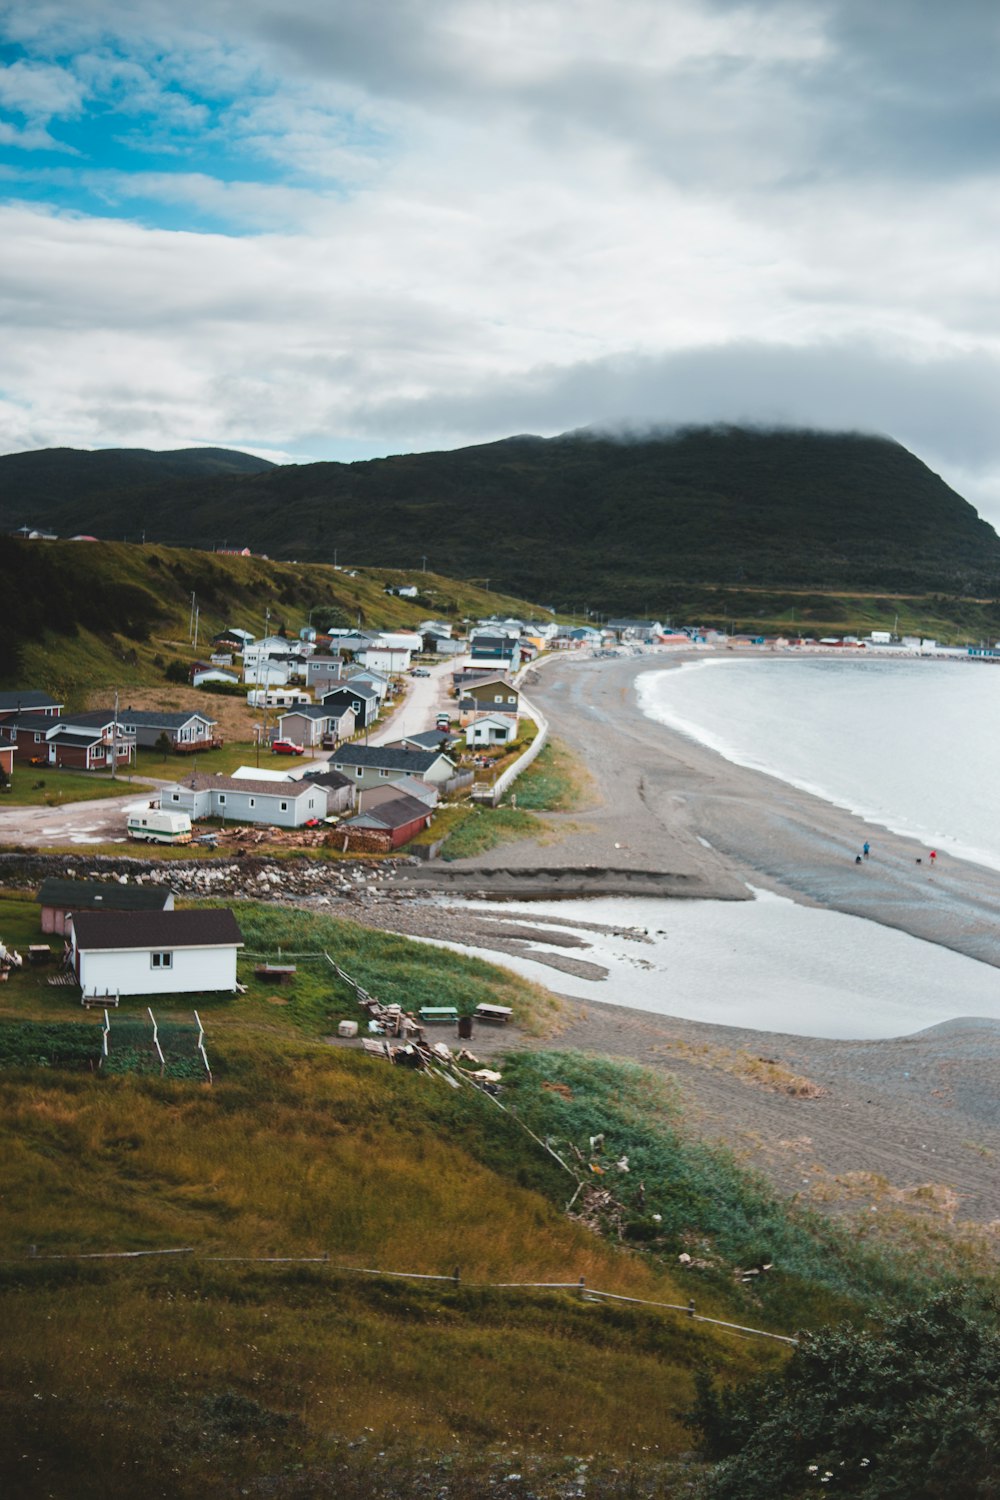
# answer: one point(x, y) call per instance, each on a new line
point(344, 228)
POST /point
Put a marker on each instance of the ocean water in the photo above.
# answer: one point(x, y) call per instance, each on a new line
point(910, 744)
point(766, 965)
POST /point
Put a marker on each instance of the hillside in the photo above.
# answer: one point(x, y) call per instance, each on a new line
point(79, 615)
point(38, 488)
point(259, 1360)
point(584, 520)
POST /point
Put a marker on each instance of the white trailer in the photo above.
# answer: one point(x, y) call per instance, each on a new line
point(151, 825)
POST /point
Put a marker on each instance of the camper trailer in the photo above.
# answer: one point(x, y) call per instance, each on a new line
point(149, 825)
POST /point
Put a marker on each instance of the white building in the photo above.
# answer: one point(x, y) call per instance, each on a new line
point(155, 952)
point(491, 729)
point(280, 804)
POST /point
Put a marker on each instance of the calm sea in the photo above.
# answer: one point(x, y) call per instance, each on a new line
point(910, 744)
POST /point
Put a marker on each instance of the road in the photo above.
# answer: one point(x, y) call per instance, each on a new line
point(425, 698)
point(100, 821)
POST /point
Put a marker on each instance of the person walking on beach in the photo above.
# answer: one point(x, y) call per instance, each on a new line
point(933, 857)
point(867, 849)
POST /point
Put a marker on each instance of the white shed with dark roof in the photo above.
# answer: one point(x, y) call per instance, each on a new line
point(155, 953)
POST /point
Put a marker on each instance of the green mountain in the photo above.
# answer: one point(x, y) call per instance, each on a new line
point(583, 518)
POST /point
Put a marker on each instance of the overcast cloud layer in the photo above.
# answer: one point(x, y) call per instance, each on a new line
point(340, 228)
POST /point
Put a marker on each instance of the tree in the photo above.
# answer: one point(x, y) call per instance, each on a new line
point(911, 1410)
point(163, 743)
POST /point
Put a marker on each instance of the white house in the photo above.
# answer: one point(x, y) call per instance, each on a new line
point(270, 671)
point(282, 804)
point(385, 658)
point(491, 729)
point(155, 952)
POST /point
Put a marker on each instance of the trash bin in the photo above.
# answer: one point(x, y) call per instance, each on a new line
point(465, 1027)
point(347, 1028)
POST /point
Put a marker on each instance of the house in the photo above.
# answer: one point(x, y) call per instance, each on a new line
point(29, 701)
point(322, 668)
point(387, 825)
point(316, 724)
point(186, 732)
point(234, 640)
point(369, 765)
point(428, 739)
point(283, 804)
point(378, 680)
point(271, 671)
point(636, 630)
point(490, 729)
point(82, 742)
point(436, 644)
point(360, 698)
point(499, 652)
point(61, 899)
point(6, 762)
point(410, 786)
point(340, 790)
point(155, 952)
point(387, 659)
point(493, 695)
point(204, 671)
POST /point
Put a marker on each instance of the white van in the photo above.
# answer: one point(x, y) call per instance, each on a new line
point(151, 826)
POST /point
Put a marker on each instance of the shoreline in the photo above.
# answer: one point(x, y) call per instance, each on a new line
point(676, 818)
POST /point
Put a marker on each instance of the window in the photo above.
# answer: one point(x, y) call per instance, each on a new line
point(38, 739)
point(498, 697)
point(359, 770)
point(284, 806)
point(175, 796)
point(222, 797)
point(253, 802)
point(383, 773)
point(161, 960)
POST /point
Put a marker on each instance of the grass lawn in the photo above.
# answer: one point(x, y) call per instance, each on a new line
point(43, 786)
point(227, 760)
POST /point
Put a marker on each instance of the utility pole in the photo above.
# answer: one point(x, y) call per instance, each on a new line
point(197, 619)
point(424, 569)
point(191, 621)
point(114, 739)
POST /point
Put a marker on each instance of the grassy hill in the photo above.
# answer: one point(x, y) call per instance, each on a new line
point(262, 1359)
point(79, 616)
point(583, 520)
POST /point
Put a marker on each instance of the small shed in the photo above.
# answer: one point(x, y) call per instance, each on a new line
point(387, 825)
point(59, 899)
point(491, 729)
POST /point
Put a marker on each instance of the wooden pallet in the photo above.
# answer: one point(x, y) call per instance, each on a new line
point(61, 979)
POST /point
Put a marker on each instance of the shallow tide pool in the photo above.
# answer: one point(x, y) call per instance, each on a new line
point(767, 964)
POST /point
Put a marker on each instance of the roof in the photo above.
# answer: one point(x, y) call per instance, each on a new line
point(331, 780)
point(485, 682)
point(201, 782)
point(429, 739)
point(395, 814)
point(381, 758)
point(70, 736)
point(96, 895)
point(37, 722)
point(150, 720)
point(211, 927)
point(352, 688)
point(26, 699)
point(311, 711)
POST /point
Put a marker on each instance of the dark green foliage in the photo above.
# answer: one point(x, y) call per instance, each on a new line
point(912, 1409)
point(176, 671)
point(32, 1044)
point(582, 520)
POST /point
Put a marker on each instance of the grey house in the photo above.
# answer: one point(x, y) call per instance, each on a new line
point(284, 804)
point(370, 765)
point(184, 731)
point(316, 724)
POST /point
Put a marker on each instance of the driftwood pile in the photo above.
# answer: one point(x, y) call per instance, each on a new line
point(400, 1039)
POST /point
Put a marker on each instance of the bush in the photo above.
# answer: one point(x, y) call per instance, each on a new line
point(177, 671)
point(910, 1410)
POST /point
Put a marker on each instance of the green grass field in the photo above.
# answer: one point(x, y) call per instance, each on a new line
point(40, 786)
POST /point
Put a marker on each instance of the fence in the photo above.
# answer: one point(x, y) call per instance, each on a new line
point(586, 1293)
point(492, 794)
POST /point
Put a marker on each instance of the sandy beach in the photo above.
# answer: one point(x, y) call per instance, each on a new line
point(865, 1126)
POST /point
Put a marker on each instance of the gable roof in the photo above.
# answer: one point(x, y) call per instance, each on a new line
point(394, 814)
point(352, 688)
point(150, 720)
point(26, 700)
point(312, 711)
point(331, 780)
point(386, 758)
point(211, 927)
point(428, 739)
point(97, 895)
point(202, 782)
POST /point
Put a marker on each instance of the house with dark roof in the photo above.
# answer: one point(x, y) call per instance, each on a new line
point(186, 732)
point(155, 952)
point(369, 765)
point(81, 741)
point(340, 790)
point(361, 698)
point(28, 701)
point(316, 724)
point(60, 899)
point(282, 804)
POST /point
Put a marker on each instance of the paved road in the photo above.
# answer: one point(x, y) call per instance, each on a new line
point(425, 698)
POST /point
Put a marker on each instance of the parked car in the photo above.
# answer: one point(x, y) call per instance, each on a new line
point(288, 747)
point(421, 671)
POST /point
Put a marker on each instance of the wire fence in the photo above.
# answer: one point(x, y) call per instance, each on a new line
point(594, 1295)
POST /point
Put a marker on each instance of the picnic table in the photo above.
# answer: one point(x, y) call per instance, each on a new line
point(432, 1014)
point(280, 973)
